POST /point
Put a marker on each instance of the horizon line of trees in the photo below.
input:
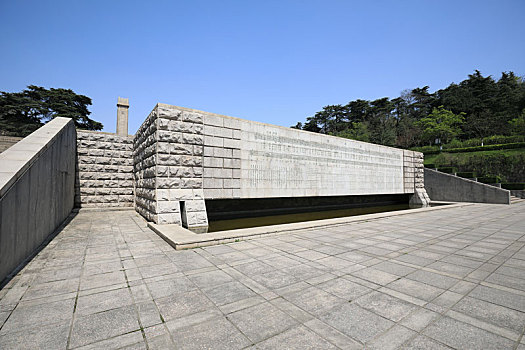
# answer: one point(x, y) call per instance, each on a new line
point(477, 107)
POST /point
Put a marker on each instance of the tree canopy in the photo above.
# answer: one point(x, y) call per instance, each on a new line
point(481, 106)
point(441, 125)
point(23, 112)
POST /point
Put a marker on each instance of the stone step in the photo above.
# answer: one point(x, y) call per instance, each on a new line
point(514, 199)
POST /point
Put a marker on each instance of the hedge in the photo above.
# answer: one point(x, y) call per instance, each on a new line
point(489, 179)
point(466, 174)
point(492, 140)
point(514, 186)
point(480, 148)
point(448, 169)
point(509, 165)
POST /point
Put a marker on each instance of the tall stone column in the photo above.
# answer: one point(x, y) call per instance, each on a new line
point(122, 116)
point(414, 180)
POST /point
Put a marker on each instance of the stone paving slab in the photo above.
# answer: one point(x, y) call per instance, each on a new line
point(432, 279)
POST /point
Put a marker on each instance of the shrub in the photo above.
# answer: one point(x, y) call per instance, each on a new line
point(514, 186)
point(466, 174)
point(509, 165)
point(480, 148)
point(430, 166)
point(448, 169)
point(490, 179)
point(425, 149)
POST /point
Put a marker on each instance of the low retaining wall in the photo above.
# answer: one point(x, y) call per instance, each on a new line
point(37, 187)
point(450, 188)
point(105, 170)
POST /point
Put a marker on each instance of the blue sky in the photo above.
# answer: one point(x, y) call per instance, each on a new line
point(270, 61)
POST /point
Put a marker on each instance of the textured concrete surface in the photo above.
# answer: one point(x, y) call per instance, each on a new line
point(37, 189)
point(452, 278)
point(446, 187)
point(105, 170)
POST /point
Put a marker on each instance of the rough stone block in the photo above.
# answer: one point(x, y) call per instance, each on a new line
point(195, 206)
point(163, 195)
point(168, 183)
point(168, 207)
point(192, 117)
point(191, 183)
point(181, 194)
point(191, 161)
point(193, 139)
point(181, 149)
point(198, 150)
point(197, 219)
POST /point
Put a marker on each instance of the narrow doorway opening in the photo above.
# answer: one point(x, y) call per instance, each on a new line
point(183, 214)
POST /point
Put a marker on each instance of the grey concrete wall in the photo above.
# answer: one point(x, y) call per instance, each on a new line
point(450, 188)
point(37, 188)
point(188, 156)
point(8, 141)
point(105, 170)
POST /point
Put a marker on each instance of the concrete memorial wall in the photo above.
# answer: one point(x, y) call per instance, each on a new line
point(193, 155)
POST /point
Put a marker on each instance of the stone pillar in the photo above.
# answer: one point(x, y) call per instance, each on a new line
point(122, 116)
point(169, 168)
point(414, 180)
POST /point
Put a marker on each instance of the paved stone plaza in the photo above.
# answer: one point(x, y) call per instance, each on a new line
point(429, 280)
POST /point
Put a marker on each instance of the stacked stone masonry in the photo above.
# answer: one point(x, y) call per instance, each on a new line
point(169, 167)
point(144, 164)
point(104, 170)
point(414, 178)
point(222, 157)
point(409, 170)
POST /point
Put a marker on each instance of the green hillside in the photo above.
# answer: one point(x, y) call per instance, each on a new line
point(509, 164)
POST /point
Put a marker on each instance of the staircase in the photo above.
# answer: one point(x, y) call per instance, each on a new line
point(514, 200)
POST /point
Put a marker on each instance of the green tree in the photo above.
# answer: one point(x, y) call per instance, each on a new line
point(441, 125)
point(357, 131)
point(518, 124)
point(23, 112)
point(380, 122)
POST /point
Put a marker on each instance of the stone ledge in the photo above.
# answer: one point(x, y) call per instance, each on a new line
point(181, 238)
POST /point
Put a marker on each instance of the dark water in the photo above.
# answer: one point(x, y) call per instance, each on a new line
point(232, 224)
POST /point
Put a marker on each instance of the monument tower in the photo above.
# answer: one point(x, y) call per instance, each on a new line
point(122, 116)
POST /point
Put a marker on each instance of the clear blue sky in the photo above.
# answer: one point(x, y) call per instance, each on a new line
point(271, 61)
